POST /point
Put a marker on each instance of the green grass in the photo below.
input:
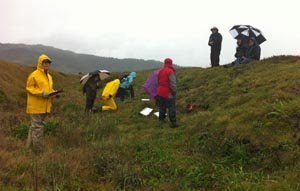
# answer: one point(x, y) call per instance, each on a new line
point(242, 134)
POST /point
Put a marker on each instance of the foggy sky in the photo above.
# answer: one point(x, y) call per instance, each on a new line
point(149, 29)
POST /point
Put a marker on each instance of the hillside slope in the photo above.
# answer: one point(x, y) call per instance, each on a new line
point(68, 61)
point(242, 134)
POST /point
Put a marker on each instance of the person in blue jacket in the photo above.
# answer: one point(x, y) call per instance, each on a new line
point(126, 85)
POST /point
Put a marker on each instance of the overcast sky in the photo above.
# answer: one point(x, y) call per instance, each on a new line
point(149, 29)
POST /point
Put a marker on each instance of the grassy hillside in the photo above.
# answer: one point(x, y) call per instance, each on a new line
point(242, 134)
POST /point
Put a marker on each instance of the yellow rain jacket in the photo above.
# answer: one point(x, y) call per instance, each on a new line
point(111, 88)
point(108, 95)
point(37, 83)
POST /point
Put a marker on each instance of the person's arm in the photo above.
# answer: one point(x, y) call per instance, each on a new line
point(31, 86)
point(130, 80)
point(237, 52)
point(255, 53)
point(217, 39)
point(173, 87)
point(210, 40)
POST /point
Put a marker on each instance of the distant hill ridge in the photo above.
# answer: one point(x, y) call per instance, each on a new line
point(68, 61)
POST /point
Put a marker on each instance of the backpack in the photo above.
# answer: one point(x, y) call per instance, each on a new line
point(124, 77)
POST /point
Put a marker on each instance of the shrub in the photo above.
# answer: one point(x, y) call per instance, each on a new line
point(21, 131)
point(51, 127)
point(3, 97)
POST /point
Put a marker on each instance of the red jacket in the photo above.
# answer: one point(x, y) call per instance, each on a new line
point(166, 81)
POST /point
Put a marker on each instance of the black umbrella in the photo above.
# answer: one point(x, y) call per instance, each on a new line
point(246, 32)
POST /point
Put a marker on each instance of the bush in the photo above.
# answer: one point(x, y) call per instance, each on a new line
point(21, 131)
point(51, 127)
point(3, 97)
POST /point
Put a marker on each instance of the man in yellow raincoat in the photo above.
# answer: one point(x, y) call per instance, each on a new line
point(108, 95)
point(39, 86)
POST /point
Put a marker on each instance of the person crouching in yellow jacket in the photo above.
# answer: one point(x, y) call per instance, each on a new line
point(108, 95)
point(39, 86)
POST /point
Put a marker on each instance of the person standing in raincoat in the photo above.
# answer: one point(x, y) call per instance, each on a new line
point(39, 101)
point(108, 95)
point(215, 43)
point(126, 84)
point(166, 92)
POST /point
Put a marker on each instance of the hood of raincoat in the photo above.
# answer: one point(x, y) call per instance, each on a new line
point(132, 74)
point(128, 80)
point(40, 61)
point(169, 65)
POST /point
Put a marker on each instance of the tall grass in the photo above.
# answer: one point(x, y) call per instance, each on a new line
point(242, 134)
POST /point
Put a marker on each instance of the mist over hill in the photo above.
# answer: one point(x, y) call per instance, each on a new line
point(68, 61)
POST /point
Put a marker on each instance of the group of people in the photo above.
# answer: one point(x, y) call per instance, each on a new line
point(115, 88)
point(165, 95)
point(40, 90)
point(40, 94)
point(247, 49)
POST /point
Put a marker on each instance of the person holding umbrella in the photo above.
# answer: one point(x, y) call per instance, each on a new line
point(254, 37)
point(215, 43)
point(40, 93)
point(252, 53)
point(90, 90)
point(90, 84)
point(241, 49)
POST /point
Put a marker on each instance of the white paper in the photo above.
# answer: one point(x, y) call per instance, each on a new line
point(145, 99)
point(156, 114)
point(146, 111)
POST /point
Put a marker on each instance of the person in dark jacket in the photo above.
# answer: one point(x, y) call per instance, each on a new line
point(252, 53)
point(166, 92)
point(215, 43)
point(90, 89)
point(241, 49)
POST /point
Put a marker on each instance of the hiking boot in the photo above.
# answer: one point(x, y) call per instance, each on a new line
point(174, 125)
point(229, 65)
point(98, 109)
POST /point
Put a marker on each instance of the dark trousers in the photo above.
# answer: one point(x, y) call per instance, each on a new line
point(164, 105)
point(89, 104)
point(122, 92)
point(131, 91)
point(215, 57)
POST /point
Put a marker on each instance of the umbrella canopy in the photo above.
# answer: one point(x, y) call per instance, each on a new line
point(150, 86)
point(246, 32)
point(103, 74)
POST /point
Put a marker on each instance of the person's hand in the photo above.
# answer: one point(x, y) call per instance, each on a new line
point(58, 95)
point(109, 96)
point(44, 95)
